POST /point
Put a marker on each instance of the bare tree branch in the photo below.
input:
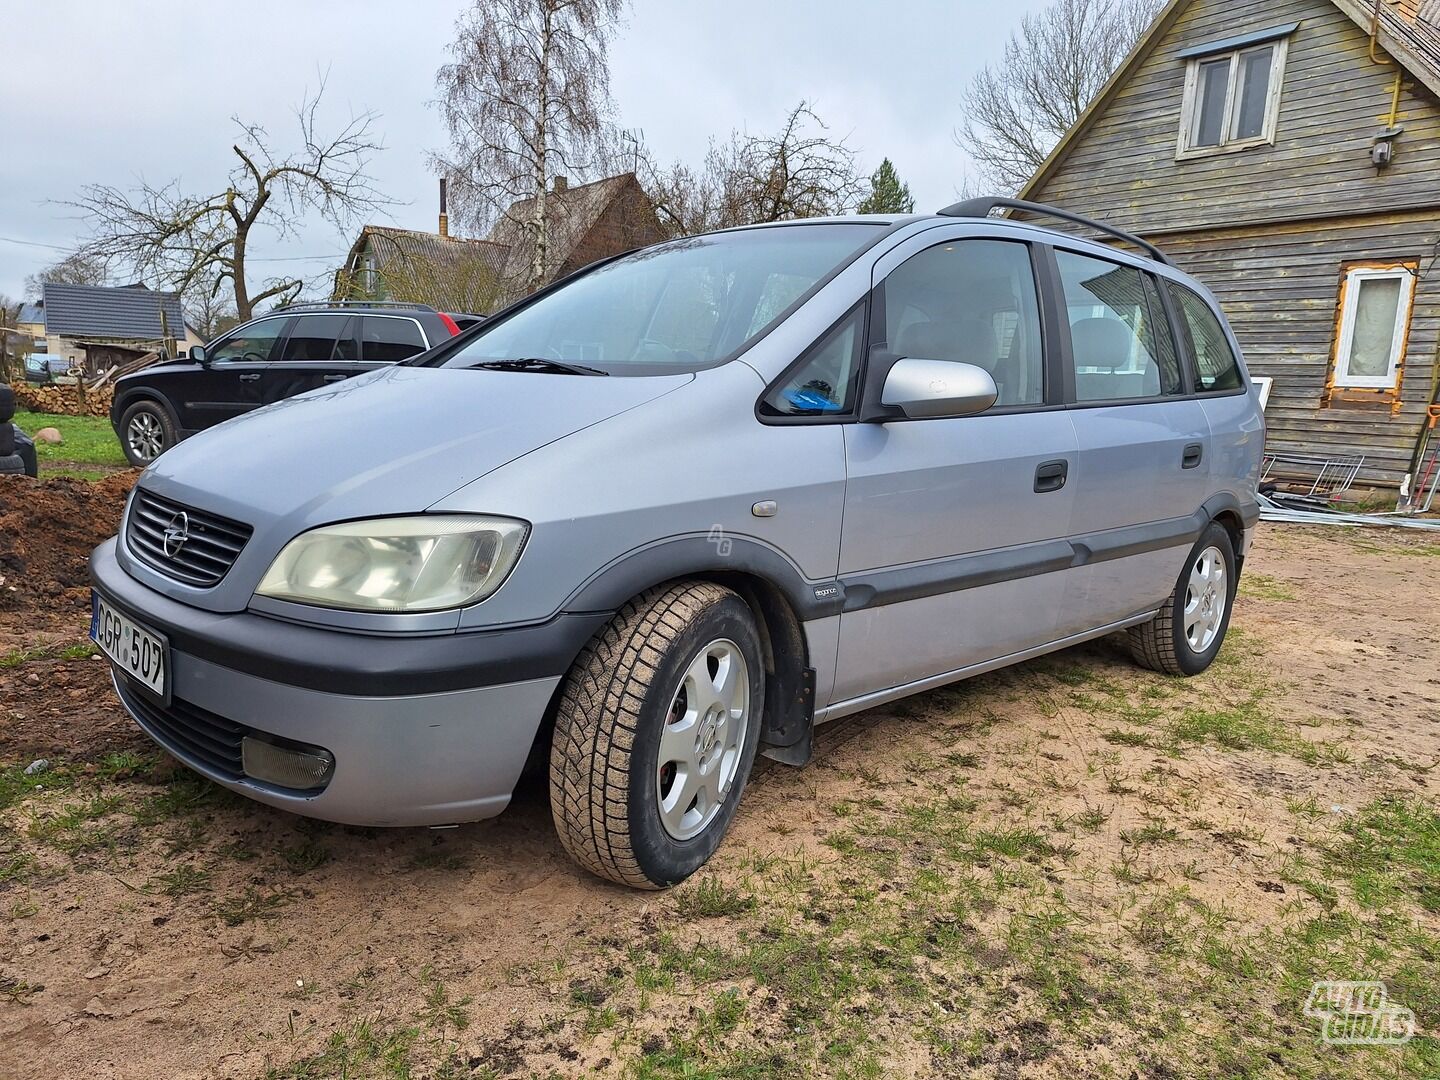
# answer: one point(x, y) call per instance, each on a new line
point(201, 242)
point(1017, 110)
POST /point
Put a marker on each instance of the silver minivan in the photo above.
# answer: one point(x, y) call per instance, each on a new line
point(679, 508)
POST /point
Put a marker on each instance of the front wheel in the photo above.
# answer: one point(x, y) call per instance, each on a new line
point(655, 735)
point(146, 432)
point(1185, 635)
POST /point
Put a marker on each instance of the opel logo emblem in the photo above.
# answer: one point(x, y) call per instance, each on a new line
point(176, 533)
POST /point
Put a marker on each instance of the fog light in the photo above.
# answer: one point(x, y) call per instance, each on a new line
point(285, 766)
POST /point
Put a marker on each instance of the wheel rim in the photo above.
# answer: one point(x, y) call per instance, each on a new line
point(701, 742)
point(1206, 596)
point(145, 436)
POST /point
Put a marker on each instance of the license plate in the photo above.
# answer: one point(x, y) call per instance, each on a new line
point(142, 655)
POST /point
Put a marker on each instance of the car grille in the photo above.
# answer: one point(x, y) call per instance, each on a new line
point(210, 548)
point(189, 732)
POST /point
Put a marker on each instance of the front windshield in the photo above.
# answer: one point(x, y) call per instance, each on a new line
point(679, 307)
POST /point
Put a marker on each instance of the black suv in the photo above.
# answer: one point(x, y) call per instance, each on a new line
point(279, 355)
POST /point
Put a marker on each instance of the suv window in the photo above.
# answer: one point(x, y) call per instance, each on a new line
point(1116, 341)
point(388, 340)
point(1216, 367)
point(825, 380)
point(973, 301)
point(313, 338)
point(251, 343)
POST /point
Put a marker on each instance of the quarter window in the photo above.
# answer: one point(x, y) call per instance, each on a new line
point(1374, 323)
point(1120, 341)
point(825, 380)
point(972, 301)
point(1232, 99)
point(1216, 367)
point(389, 340)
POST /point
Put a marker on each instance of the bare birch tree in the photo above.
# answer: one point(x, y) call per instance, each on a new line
point(187, 242)
point(1015, 111)
point(524, 98)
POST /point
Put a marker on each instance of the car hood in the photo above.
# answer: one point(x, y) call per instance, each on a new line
point(392, 442)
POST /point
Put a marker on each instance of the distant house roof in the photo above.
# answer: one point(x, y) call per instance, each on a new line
point(112, 314)
point(31, 313)
point(1409, 30)
point(572, 213)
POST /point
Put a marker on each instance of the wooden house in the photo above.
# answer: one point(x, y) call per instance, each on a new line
point(1287, 153)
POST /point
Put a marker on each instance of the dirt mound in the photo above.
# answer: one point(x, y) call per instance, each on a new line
point(47, 531)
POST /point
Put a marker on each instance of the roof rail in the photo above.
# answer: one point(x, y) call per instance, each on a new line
point(980, 208)
point(325, 305)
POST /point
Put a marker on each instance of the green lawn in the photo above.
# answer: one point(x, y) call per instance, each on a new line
point(89, 440)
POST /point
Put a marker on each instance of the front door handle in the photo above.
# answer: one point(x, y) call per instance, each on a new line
point(1194, 453)
point(1050, 476)
point(336, 378)
point(249, 376)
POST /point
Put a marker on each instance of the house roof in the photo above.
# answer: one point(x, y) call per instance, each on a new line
point(450, 272)
point(1413, 42)
point(131, 313)
point(31, 313)
point(572, 214)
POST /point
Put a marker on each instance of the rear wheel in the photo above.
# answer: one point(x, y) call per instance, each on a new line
point(1186, 634)
point(146, 432)
point(656, 733)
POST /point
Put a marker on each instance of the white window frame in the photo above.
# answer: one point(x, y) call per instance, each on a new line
point(1350, 307)
point(1190, 110)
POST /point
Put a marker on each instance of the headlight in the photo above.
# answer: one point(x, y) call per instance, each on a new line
point(425, 563)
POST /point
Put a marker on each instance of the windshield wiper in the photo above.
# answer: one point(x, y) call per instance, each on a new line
point(538, 363)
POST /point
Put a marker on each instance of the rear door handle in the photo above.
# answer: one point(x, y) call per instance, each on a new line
point(1194, 452)
point(336, 378)
point(249, 376)
point(1050, 476)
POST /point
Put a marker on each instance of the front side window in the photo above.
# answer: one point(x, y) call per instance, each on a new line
point(1216, 367)
point(1232, 99)
point(1120, 341)
point(252, 344)
point(1374, 323)
point(972, 301)
point(678, 307)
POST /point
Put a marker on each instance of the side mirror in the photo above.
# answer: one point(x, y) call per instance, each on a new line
point(932, 389)
point(196, 355)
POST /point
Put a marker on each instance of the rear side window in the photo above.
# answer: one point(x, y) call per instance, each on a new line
point(824, 382)
point(1120, 341)
point(313, 338)
point(972, 301)
point(388, 341)
point(1216, 367)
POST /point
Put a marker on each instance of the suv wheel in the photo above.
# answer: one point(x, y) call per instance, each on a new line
point(1186, 634)
point(656, 733)
point(146, 432)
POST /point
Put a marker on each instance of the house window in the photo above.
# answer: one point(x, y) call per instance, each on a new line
point(1232, 95)
point(1374, 324)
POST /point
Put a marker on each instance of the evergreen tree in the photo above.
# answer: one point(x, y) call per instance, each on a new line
point(887, 194)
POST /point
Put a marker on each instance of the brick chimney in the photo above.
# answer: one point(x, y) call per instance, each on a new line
point(444, 217)
point(562, 185)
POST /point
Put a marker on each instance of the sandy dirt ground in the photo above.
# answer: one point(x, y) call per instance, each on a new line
point(152, 925)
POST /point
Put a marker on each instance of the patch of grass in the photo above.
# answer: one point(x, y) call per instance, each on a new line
point(252, 904)
point(182, 881)
point(365, 1048)
point(1014, 844)
point(1127, 738)
point(183, 794)
point(304, 857)
point(1262, 587)
point(88, 440)
point(15, 785)
point(1393, 850)
point(73, 828)
point(713, 899)
point(1152, 832)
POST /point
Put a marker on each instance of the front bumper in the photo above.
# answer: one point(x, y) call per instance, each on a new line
point(424, 729)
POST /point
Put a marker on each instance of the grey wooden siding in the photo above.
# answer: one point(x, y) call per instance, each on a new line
point(1333, 102)
point(1279, 287)
point(1269, 228)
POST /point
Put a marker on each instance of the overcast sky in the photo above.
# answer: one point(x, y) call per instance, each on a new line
point(102, 92)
